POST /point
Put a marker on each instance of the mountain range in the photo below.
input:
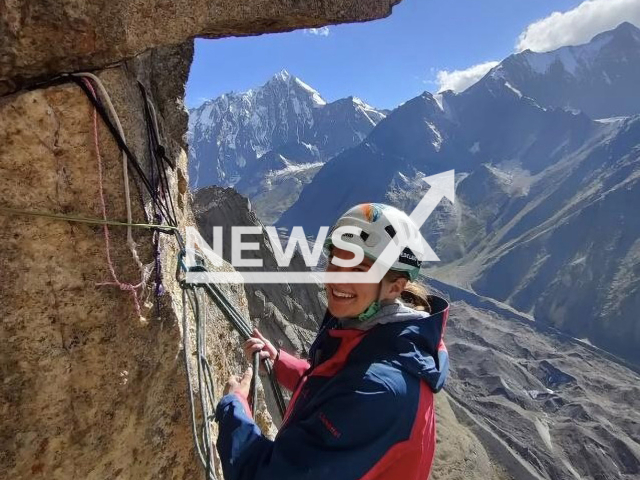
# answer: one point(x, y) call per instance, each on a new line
point(546, 153)
point(540, 253)
point(269, 142)
point(518, 395)
point(547, 195)
point(596, 78)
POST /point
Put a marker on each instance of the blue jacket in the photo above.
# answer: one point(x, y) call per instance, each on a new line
point(362, 409)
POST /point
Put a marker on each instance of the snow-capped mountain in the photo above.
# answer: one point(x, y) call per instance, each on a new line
point(600, 78)
point(546, 213)
point(230, 133)
point(240, 138)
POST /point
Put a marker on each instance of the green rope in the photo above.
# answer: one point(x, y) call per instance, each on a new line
point(78, 219)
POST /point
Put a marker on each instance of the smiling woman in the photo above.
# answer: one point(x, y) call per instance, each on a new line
point(351, 300)
point(363, 403)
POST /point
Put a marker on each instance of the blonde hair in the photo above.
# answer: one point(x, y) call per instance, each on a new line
point(413, 295)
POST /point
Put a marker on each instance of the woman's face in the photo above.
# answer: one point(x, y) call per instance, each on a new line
point(351, 299)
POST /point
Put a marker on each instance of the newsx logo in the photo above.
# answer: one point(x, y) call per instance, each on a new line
point(441, 185)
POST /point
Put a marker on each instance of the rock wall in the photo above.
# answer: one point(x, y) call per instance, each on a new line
point(48, 37)
point(89, 388)
point(288, 314)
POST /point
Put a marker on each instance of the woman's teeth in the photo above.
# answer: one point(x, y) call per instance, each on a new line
point(340, 294)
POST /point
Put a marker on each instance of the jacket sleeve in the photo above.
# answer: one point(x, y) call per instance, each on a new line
point(438, 369)
point(289, 369)
point(426, 345)
point(343, 438)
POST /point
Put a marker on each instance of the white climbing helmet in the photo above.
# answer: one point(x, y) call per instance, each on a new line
point(380, 224)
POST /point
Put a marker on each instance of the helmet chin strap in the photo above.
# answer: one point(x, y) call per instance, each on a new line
point(375, 306)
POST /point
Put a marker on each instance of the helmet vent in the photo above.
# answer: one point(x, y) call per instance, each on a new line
point(390, 230)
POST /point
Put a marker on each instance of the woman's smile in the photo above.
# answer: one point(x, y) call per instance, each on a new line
point(341, 295)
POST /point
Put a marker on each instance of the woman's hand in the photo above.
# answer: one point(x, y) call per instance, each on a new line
point(240, 386)
point(258, 343)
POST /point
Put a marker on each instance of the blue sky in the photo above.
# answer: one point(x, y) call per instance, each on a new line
point(388, 61)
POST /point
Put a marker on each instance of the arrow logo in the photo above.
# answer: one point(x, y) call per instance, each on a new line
point(441, 186)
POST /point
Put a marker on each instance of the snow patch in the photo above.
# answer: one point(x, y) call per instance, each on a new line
point(370, 113)
point(293, 168)
point(296, 105)
point(579, 261)
point(571, 58)
point(308, 146)
point(282, 75)
point(513, 89)
point(438, 97)
point(585, 341)
point(437, 141)
point(611, 120)
point(315, 96)
point(259, 150)
point(571, 469)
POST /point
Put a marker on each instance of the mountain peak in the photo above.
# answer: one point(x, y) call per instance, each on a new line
point(625, 28)
point(572, 58)
point(624, 31)
point(597, 78)
point(283, 76)
point(628, 26)
point(358, 102)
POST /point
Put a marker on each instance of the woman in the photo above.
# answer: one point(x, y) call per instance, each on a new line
point(363, 405)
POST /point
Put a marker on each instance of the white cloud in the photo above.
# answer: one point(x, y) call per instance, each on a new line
point(579, 25)
point(321, 32)
point(459, 80)
point(560, 29)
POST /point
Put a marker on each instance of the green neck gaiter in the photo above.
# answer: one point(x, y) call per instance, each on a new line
point(370, 311)
point(373, 308)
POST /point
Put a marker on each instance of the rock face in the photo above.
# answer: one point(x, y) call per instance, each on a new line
point(85, 379)
point(89, 388)
point(46, 38)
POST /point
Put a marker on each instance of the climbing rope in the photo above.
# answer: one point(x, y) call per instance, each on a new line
point(88, 220)
point(163, 211)
point(203, 442)
point(242, 326)
point(133, 161)
point(155, 149)
point(125, 168)
point(124, 286)
point(163, 205)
